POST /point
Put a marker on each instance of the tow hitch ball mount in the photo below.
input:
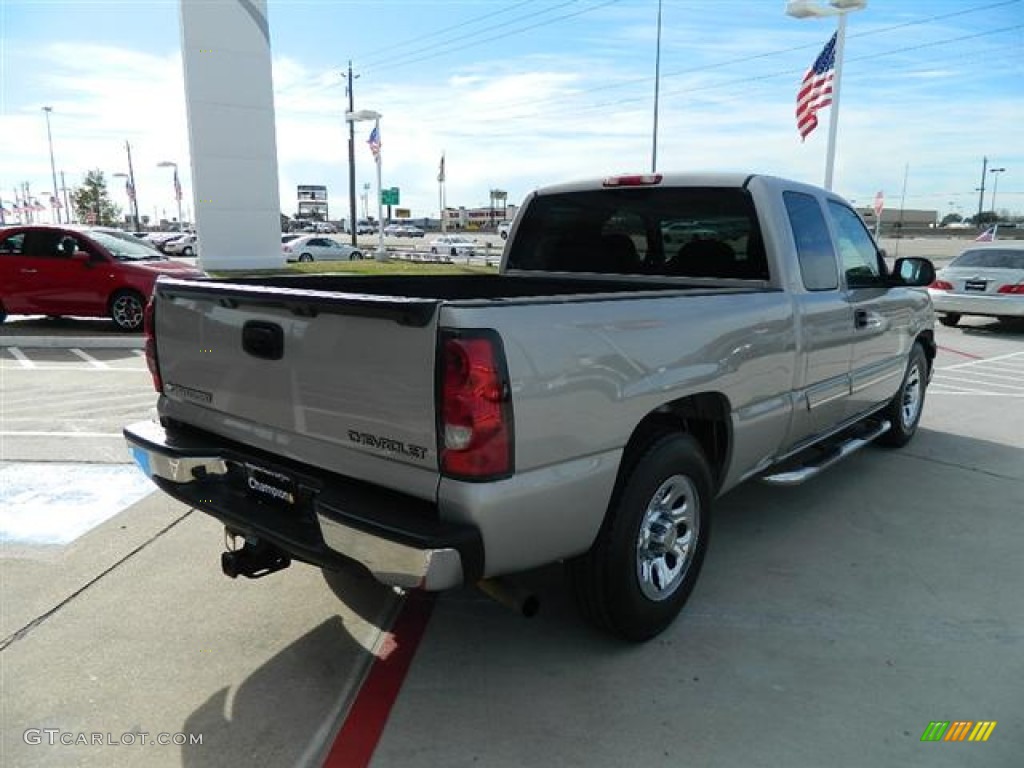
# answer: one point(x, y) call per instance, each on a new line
point(254, 559)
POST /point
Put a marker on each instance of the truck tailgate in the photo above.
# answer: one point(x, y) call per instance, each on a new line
point(340, 381)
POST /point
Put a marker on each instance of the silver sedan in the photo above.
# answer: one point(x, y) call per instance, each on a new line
point(985, 280)
point(319, 248)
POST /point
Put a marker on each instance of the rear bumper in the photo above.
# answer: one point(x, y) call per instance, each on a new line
point(991, 306)
point(323, 518)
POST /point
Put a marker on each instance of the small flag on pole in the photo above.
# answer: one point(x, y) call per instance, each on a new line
point(440, 171)
point(988, 236)
point(177, 186)
point(816, 89)
point(374, 142)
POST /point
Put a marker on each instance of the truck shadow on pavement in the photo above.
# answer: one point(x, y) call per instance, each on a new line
point(286, 711)
point(852, 599)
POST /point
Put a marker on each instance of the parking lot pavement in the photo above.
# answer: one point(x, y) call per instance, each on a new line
point(134, 630)
point(832, 624)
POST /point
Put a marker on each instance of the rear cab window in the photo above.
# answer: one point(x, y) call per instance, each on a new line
point(664, 231)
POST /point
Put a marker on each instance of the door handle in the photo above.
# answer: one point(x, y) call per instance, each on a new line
point(864, 318)
point(29, 271)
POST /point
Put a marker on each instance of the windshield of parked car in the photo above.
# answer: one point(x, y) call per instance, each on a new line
point(125, 247)
point(995, 258)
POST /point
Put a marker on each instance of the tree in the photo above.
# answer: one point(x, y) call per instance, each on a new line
point(951, 218)
point(92, 201)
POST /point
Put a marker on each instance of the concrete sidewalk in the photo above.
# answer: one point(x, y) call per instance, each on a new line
point(37, 332)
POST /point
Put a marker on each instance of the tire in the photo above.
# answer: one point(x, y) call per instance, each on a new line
point(904, 411)
point(433, 249)
point(3, 313)
point(646, 559)
point(503, 235)
point(455, 252)
point(949, 319)
point(127, 309)
point(305, 257)
point(186, 251)
point(356, 256)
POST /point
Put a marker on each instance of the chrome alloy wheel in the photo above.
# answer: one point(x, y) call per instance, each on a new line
point(913, 395)
point(127, 311)
point(668, 536)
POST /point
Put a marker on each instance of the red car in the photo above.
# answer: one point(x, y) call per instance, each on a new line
point(86, 272)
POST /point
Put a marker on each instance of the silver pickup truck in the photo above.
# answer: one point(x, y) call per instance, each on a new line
point(650, 342)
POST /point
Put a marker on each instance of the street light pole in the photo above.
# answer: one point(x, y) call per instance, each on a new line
point(53, 165)
point(802, 9)
point(657, 84)
point(351, 161)
point(995, 186)
point(358, 117)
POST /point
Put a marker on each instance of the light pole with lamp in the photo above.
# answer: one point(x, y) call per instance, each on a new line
point(358, 117)
point(802, 9)
point(177, 189)
point(53, 166)
point(995, 186)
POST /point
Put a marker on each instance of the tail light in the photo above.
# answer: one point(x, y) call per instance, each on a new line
point(286, 248)
point(475, 407)
point(1012, 289)
point(149, 328)
point(941, 285)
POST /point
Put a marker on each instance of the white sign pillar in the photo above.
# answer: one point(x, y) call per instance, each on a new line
point(230, 105)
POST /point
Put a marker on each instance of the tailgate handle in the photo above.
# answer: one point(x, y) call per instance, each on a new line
point(264, 340)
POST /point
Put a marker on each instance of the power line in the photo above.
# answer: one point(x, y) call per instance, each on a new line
point(510, 33)
point(385, 54)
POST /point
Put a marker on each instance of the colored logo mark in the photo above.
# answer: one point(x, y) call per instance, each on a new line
point(958, 730)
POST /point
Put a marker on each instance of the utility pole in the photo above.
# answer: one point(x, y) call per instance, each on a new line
point(351, 159)
point(981, 200)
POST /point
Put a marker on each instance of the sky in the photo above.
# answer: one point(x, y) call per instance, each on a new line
point(519, 94)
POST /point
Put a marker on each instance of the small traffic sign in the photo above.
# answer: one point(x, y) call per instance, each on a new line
point(389, 196)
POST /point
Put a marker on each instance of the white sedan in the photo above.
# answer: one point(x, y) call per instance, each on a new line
point(319, 248)
point(453, 245)
point(182, 246)
point(985, 280)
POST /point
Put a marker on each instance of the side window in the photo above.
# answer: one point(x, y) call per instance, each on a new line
point(857, 251)
point(13, 245)
point(813, 243)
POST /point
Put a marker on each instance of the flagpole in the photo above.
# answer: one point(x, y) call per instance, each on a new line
point(833, 118)
point(135, 192)
point(657, 83)
point(380, 198)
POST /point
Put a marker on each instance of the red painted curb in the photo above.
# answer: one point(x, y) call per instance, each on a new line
point(357, 739)
point(958, 352)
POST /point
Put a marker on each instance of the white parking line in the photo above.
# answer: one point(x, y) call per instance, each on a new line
point(18, 355)
point(88, 358)
point(1008, 356)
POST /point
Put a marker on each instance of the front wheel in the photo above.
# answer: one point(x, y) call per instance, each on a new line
point(127, 310)
point(641, 569)
point(433, 249)
point(950, 319)
point(186, 251)
point(306, 257)
point(356, 255)
point(904, 411)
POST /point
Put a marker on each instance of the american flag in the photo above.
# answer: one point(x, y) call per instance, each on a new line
point(989, 235)
point(374, 142)
point(177, 186)
point(816, 89)
point(440, 172)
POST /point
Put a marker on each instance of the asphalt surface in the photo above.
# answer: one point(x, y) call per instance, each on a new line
point(831, 624)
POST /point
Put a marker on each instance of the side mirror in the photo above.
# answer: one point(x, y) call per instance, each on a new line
point(913, 272)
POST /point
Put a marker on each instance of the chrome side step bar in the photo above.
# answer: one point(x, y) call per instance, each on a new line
point(841, 451)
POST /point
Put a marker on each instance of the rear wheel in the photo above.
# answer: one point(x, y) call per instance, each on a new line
point(186, 251)
point(305, 257)
point(433, 249)
point(950, 319)
point(641, 569)
point(904, 411)
point(357, 255)
point(126, 310)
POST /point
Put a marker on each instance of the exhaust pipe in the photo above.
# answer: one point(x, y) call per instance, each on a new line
point(254, 560)
point(518, 598)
